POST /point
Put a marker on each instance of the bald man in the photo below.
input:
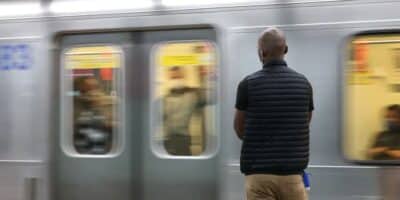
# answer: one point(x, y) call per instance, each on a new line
point(273, 113)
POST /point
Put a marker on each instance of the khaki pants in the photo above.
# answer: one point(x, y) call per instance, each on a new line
point(274, 187)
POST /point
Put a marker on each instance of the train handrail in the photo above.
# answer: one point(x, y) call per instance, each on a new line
point(22, 162)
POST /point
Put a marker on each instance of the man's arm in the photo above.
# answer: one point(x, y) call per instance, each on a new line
point(239, 123)
point(376, 150)
point(207, 92)
point(311, 104)
point(241, 106)
point(395, 154)
point(207, 96)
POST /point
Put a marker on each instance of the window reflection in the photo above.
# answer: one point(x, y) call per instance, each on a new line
point(186, 95)
point(94, 73)
point(372, 111)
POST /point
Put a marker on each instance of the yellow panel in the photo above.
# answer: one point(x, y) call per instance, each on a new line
point(186, 53)
point(180, 60)
point(95, 57)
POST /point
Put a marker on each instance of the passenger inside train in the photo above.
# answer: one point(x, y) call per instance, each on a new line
point(93, 120)
point(186, 95)
point(387, 143)
point(92, 85)
point(180, 104)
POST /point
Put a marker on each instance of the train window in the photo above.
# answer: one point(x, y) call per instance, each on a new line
point(185, 99)
point(372, 98)
point(92, 81)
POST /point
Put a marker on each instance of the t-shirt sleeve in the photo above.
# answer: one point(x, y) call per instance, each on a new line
point(311, 103)
point(382, 140)
point(377, 142)
point(241, 96)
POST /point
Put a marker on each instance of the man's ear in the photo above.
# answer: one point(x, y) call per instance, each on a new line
point(286, 49)
point(261, 54)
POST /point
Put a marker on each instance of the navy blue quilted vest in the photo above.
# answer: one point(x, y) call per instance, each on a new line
point(276, 137)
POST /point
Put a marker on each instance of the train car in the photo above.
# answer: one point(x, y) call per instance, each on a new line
point(58, 58)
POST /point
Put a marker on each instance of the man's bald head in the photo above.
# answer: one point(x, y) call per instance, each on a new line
point(271, 45)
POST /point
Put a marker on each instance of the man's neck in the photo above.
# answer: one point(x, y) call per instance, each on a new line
point(267, 60)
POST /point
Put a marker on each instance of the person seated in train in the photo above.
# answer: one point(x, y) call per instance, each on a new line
point(179, 105)
point(93, 117)
point(387, 143)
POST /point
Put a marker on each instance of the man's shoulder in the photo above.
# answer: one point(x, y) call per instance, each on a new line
point(296, 73)
point(262, 73)
point(247, 78)
point(254, 75)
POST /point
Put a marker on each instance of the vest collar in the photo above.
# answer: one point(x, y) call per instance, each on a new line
point(274, 63)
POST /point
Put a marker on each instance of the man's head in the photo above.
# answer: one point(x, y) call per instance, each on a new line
point(176, 77)
point(392, 116)
point(87, 84)
point(271, 45)
point(176, 72)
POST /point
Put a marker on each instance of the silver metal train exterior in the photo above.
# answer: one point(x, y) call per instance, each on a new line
point(33, 165)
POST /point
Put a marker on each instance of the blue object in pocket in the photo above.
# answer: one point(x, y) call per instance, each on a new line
point(306, 180)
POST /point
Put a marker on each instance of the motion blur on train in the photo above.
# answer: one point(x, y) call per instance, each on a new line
point(134, 99)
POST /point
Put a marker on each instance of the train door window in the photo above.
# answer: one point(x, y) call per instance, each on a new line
point(184, 94)
point(372, 98)
point(91, 100)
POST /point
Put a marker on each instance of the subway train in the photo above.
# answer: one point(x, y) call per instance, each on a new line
point(86, 99)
